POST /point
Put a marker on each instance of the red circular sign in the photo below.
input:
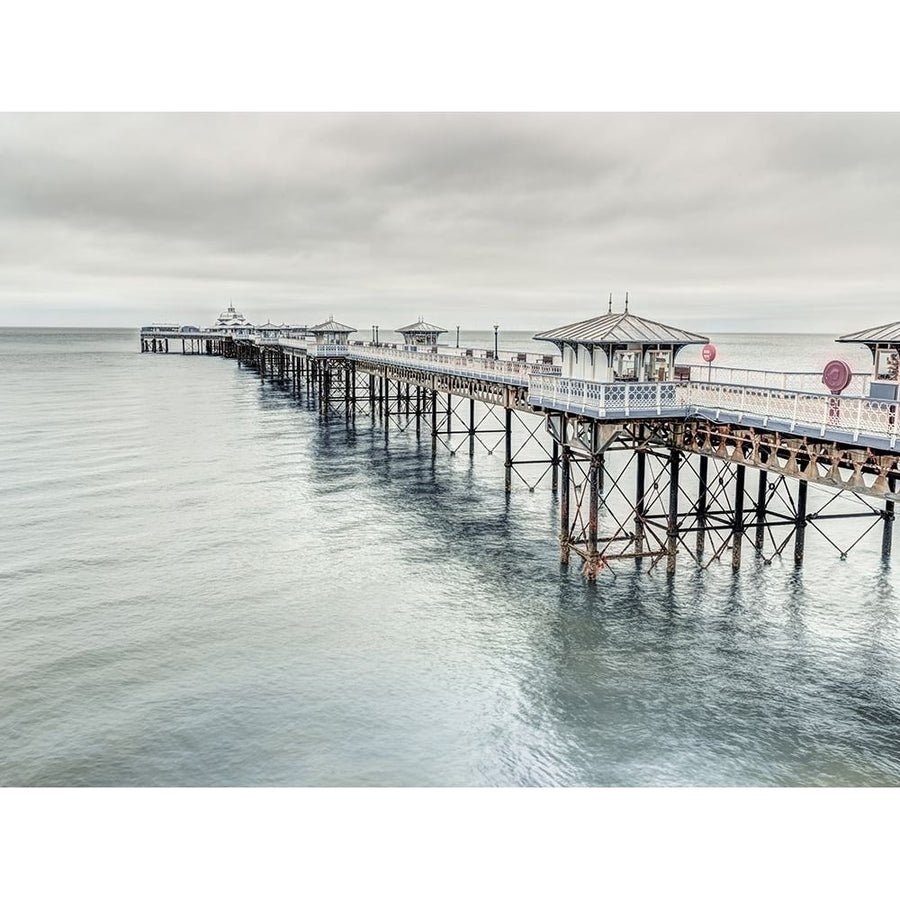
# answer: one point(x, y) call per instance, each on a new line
point(709, 353)
point(836, 375)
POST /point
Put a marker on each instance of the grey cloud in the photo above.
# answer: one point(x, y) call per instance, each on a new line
point(768, 222)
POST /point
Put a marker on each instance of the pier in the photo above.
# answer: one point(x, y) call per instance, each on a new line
point(651, 461)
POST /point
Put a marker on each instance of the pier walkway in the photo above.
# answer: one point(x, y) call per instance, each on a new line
point(690, 433)
point(783, 401)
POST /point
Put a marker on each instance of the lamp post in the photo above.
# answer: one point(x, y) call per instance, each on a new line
point(373, 334)
point(457, 337)
point(496, 326)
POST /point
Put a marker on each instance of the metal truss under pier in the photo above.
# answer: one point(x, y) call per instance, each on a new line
point(638, 480)
point(654, 490)
point(459, 415)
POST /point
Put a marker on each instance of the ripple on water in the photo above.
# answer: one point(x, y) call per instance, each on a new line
point(204, 584)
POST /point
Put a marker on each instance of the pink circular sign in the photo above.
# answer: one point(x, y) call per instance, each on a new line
point(709, 353)
point(836, 375)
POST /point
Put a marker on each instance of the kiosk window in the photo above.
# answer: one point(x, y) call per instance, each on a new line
point(887, 363)
point(625, 365)
point(658, 365)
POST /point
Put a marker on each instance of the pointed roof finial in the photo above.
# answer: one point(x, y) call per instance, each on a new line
point(609, 308)
point(626, 301)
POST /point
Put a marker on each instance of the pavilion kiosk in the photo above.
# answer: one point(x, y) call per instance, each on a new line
point(268, 331)
point(619, 347)
point(232, 322)
point(884, 342)
point(421, 336)
point(331, 333)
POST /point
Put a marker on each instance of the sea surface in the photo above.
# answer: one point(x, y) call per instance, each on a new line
point(202, 583)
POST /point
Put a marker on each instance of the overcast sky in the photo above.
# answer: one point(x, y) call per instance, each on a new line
point(711, 221)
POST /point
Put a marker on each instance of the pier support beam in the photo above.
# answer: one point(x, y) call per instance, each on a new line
point(593, 563)
point(737, 524)
point(800, 537)
point(761, 496)
point(887, 532)
point(672, 529)
point(554, 465)
point(434, 422)
point(349, 390)
point(507, 424)
point(702, 501)
point(564, 518)
point(640, 490)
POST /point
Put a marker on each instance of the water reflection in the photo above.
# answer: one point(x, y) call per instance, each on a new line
point(273, 598)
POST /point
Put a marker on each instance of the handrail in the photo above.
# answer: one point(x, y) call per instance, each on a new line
point(452, 364)
point(809, 382)
point(812, 410)
point(791, 402)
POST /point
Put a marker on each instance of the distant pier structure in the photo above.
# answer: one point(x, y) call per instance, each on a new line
point(233, 323)
point(651, 461)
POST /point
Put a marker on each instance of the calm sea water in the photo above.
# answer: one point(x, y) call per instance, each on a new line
point(203, 584)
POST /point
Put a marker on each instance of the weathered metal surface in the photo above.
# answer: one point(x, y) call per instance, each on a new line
point(331, 327)
point(878, 334)
point(620, 328)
